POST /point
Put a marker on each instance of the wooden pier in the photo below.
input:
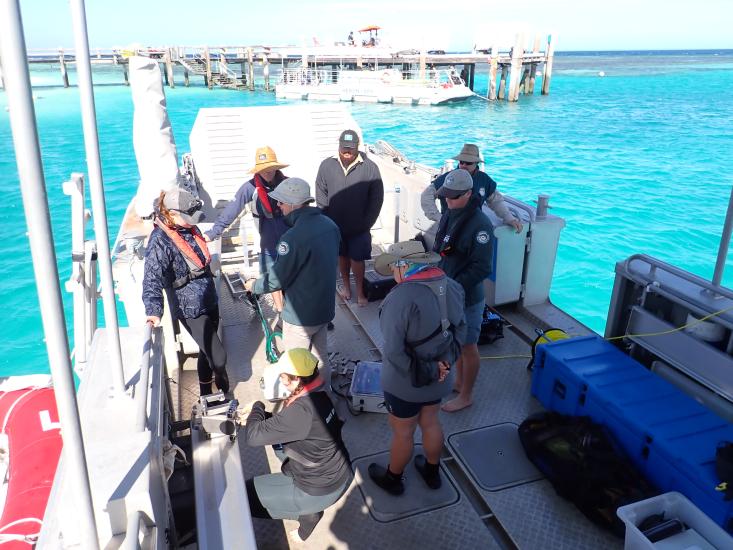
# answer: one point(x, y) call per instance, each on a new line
point(511, 72)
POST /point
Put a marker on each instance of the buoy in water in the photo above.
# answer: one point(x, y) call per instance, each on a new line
point(601, 73)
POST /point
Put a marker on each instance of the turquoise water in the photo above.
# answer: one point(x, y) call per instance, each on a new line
point(638, 161)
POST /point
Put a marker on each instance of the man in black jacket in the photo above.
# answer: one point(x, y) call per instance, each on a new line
point(349, 190)
point(464, 242)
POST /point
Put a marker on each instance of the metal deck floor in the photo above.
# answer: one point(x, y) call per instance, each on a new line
point(531, 515)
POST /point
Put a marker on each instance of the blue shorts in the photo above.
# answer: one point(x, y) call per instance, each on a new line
point(267, 259)
point(404, 409)
point(357, 247)
point(474, 316)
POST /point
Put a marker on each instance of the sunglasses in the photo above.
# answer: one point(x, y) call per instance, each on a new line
point(195, 207)
point(464, 163)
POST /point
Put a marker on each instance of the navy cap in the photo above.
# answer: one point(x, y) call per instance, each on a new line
point(349, 140)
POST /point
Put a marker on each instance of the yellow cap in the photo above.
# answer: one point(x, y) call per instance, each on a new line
point(297, 362)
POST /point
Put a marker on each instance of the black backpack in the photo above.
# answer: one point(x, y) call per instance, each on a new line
point(584, 466)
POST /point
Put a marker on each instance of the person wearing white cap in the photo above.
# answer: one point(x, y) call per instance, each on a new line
point(177, 262)
point(484, 189)
point(305, 269)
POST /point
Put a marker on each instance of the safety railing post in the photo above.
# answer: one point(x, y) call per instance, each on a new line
point(96, 187)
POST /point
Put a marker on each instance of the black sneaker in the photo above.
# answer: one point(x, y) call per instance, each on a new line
point(222, 381)
point(392, 483)
point(307, 524)
point(429, 472)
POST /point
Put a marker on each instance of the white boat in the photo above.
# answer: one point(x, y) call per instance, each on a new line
point(388, 85)
point(121, 485)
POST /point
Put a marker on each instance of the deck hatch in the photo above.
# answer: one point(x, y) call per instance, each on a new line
point(494, 456)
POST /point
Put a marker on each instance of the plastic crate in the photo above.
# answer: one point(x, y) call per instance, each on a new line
point(702, 532)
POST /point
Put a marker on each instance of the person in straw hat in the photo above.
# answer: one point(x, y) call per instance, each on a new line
point(266, 176)
point(423, 327)
point(316, 468)
point(305, 268)
point(484, 189)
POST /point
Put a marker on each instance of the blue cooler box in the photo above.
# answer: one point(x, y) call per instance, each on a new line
point(669, 436)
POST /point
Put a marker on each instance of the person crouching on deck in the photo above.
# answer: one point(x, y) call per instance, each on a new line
point(423, 327)
point(177, 262)
point(267, 175)
point(306, 435)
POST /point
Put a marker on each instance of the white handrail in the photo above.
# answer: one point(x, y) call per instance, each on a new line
point(144, 382)
point(96, 186)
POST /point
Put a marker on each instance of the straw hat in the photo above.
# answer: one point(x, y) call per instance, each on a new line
point(266, 158)
point(469, 153)
point(412, 251)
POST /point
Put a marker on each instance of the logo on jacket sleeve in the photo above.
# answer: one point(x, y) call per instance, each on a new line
point(482, 237)
point(282, 248)
point(482, 192)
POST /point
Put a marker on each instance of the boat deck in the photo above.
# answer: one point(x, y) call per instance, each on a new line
point(515, 514)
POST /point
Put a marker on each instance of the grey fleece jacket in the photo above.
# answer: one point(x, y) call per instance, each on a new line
point(352, 198)
point(411, 312)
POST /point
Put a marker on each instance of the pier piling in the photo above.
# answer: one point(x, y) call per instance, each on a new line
point(64, 73)
point(547, 74)
point(533, 65)
point(516, 67)
point(502, 82)
point(207, 63)
point(169, 68)
point(493, 66)
point(251, 74)
point(266, 71)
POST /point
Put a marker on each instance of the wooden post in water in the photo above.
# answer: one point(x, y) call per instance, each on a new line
point(502, 81)
point(494, 65)
point(185, 77)
point(516, 67)
point(251, 75)
point(64, 73)
point(125, 73)
point(207, 63)
point(471, 74)
point(266, 71)
point(169, 68)
point(524, 82)
point(533, 66)
point(547, 74)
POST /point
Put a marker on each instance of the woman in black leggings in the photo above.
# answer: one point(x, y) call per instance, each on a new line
point(177, 261)
point(306, 436)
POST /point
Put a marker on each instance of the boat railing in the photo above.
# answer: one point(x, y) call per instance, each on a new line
point(144, 382)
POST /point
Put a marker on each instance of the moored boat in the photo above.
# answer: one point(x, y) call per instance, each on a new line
point(388, 85)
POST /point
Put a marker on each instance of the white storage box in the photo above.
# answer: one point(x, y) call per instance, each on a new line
point(366, 388)
point(702, 533)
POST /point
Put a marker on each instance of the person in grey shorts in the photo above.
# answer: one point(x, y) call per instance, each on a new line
point(306, 433)
point(305, 269)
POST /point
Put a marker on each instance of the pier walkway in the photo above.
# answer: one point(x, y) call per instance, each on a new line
point(511, 71)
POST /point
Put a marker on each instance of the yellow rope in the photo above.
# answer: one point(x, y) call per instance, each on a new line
point(661, 333)
point(672, 330)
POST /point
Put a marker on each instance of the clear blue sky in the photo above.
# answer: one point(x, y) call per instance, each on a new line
point(577, 24)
